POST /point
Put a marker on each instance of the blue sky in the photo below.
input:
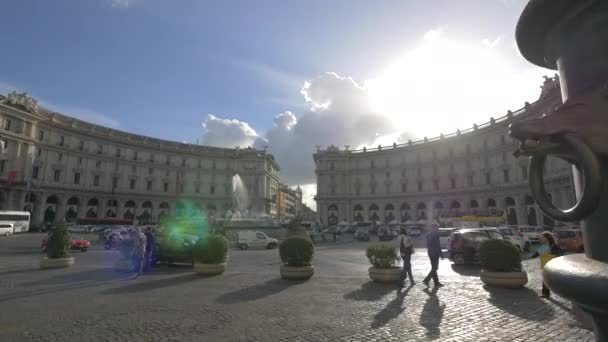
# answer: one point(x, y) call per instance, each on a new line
point(160, 67)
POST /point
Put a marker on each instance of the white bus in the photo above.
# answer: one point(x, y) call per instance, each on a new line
point(19, 219)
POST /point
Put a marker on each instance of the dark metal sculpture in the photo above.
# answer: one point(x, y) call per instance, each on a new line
point(572, 36)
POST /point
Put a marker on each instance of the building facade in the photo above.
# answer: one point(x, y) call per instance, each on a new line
point(470, 172)
point(289, 202)
point(58, 167)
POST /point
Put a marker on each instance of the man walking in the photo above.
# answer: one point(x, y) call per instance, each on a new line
point(149, 250)
point(139, 250)
point(434, 251)
point(406, 248)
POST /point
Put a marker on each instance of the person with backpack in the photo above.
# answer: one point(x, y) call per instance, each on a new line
point(406, 249)
point(547, 250)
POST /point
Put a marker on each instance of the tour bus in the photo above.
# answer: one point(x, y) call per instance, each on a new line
point(19, 219)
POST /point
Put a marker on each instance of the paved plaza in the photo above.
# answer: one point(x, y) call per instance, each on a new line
point(91, 302)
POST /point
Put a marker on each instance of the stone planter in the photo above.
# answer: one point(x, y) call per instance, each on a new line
point(209, 269)
point(385, 275)
point(297, 273)
point(46, 263)
point(504, 279)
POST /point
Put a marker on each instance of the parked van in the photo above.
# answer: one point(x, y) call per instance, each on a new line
point(251, 239)
point(6, 229)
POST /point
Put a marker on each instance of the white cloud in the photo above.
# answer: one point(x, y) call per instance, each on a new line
point(437, 87)
point(122, 3)
point(308, 193)
point(227, 132)
point(491, 43)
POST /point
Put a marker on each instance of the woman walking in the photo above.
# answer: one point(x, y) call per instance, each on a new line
point(547, 251)
point(406, 249)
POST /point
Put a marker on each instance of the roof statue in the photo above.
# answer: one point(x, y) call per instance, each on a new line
point(22, 100)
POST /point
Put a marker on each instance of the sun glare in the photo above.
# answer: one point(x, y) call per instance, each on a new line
point(443, 85)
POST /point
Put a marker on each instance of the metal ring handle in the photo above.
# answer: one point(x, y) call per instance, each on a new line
point(590, 167)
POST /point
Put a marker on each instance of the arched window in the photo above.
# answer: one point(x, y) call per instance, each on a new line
point(405, 212)
point(509, 202)
point(129, 204)
point(438, 205)
point(373, 212)
point(52, 199)
point(93, 202)
point(421, 211)
point(491, 203)
point(73, 201)
point(455, 205)
point(358, 213)
point(389, 212)
point(529, 200)
point(473, 204)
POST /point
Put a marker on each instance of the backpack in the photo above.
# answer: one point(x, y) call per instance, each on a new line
point(403, 249)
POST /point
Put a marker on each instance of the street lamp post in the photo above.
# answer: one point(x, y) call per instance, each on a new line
point(572, 37)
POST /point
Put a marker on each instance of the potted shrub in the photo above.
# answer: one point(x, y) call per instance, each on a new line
point(58, 249)
point(501, 264)
point(296, 254)
point(384, 263)
point(210, 254)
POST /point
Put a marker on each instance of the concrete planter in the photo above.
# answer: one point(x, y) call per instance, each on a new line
point(504, 279)
point(385, 275)
point(46, 263)
point(297, 273)
point(209, 269)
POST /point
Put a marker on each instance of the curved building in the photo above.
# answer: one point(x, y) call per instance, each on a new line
point(469, 172)
point(59, 167)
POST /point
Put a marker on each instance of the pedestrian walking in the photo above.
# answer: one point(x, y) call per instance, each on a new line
point(149, 250)
point(434, 251)
point(406, 249)
point(139, 250)
point(548, 250)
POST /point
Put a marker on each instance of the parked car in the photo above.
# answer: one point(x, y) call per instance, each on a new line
point(361, 235)
point(414, 230)
point(6, 229)
point(464, 244)
point(385, 234)
point(519, 241)
point(252, 239)
point(75, 244)
point(444, 237)
point(570, 240)
point(530, 232)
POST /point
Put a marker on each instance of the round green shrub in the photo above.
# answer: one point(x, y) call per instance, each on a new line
point(59, 243)
point(211, 249)
point(296, 252)
point(499, 256)
point(382, 256)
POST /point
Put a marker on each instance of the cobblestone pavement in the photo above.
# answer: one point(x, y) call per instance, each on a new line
point(90, 302)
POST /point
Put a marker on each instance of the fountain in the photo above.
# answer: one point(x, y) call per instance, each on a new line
point(240, 198)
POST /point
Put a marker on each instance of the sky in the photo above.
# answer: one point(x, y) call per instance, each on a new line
point(283, 74)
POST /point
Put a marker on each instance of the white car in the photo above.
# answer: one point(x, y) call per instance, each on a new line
point(251, 239)
point(6, 229)
point(530, 232)
point(444, 237)
point(520, 241)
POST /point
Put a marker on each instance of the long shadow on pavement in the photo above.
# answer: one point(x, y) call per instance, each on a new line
point(524, 303)
point(392, 310)
point(148, 285)
point(432, 314)
point(256, 292)
point(370, 292)
point(467, 270)
point(95, 275)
